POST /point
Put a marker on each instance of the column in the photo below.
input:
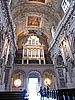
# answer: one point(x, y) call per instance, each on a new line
point(43, 52)
point(44, 61)
point(39, 61)
point(43, 55)
point(39, 56)
point(39, 53)
point(9, 86)
point(3, 72)
point(55, 82)
point(27, 57)
point(23, 56)
point(24, 78)
point(63, 55)
point(69, 62)
point(31, 53)
point(11, 82)
point(22, 61)
point(3, 78)
point(25, 82)
point(23, 52)
point(69, 50)
point(64, 59)
point(7, 54)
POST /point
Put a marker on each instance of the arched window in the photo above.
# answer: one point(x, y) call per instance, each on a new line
point(43, 1)
point(59, 60)
point(17, 80)
point(65, 5)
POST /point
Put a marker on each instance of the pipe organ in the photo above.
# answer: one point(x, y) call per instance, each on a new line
point(33, 51)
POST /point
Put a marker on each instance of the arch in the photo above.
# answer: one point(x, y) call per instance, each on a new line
point(18, 75)
point(59, 60)
point(48, 79)
point(34, 75)
point(18, 70)
point(34, 72)
point(42, 37)
point(48, 71)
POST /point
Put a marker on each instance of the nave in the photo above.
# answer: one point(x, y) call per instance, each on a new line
point(37, 40)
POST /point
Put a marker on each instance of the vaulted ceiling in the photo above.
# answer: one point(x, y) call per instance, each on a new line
point(36, 17)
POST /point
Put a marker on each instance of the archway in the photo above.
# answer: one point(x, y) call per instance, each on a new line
point(18, 80)
point(59, 60)
point(34, 81)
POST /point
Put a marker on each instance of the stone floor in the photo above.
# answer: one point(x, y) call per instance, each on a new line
point(39, 98)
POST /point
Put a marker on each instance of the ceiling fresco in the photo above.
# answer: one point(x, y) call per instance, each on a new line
point(39, 17)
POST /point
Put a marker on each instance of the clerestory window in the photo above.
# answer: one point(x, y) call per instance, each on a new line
point(65, 5)
point(43, 1)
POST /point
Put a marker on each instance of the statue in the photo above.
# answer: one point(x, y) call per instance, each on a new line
point(53, 31)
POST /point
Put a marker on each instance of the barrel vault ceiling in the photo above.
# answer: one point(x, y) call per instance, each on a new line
point(36, 16)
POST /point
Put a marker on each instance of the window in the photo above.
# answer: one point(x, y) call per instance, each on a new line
point(33, 41)
point(29, 41)
point(36, 42)
point(59, 60)
point(42, 61)
point(33, 53)
point(36, 53)
point(41, 53)
point(29, 53)
point(65, 5)
point(25, 52)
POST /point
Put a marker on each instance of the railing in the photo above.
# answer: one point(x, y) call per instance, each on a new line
point(47, 94)
point(60, 94)
point(16, 95)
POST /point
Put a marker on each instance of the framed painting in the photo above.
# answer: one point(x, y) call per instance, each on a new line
point(34, 21)
point(43, 1)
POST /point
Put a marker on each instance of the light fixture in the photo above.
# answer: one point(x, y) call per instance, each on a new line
point(17, 82)
point(47, 81)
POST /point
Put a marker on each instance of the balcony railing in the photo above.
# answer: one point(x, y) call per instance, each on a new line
point(60, 94)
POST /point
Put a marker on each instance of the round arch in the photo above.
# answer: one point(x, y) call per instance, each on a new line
point(18, 75)
point(34, 74)
point(18, 70)
point(59, 60)
point(48, 79)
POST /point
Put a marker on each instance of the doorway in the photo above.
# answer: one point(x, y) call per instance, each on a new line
point(34, 85)
point(33, 89)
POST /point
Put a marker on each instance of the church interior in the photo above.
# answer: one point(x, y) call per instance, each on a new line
point(37, 48)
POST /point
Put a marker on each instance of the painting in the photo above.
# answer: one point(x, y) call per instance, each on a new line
point(34, 21)
point(43, 1)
